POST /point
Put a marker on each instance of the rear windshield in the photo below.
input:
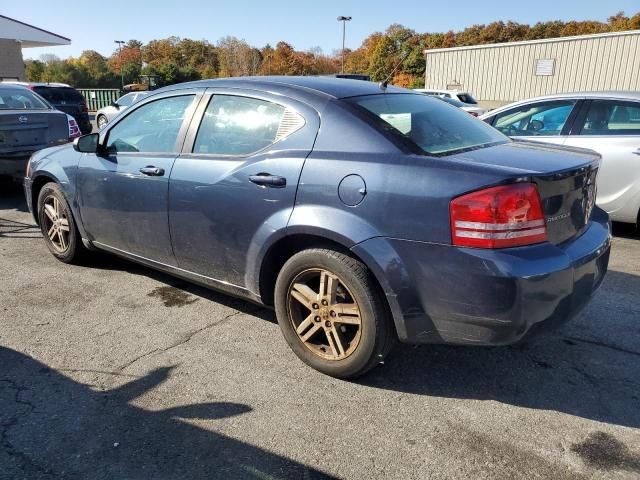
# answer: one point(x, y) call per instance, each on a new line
point(20, 99)
point(466, 98)
point(57, 95)
point(426, 125)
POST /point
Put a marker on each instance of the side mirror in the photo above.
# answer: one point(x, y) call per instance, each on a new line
point(86, 143)
point(115, 105)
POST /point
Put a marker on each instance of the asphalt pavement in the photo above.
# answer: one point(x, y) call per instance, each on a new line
point(113, 371)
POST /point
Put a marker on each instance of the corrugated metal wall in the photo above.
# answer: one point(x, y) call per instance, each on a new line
point(506, 73)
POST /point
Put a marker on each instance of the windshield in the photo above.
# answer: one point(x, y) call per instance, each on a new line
point(466, 98)
point(428, 125)
point(20, 99)
point(126, 100)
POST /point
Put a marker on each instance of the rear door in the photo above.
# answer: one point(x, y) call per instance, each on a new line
point(123, 191)
point(544, 121)
point(236, 180)
point(612, 128)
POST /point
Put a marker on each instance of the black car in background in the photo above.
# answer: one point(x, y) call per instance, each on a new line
point(27, 124)
point(64, 98)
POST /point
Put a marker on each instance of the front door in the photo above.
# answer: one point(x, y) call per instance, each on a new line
point(123, 189)
point(540, 121)
point(236, 182)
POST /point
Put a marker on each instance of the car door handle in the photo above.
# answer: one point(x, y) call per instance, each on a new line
point(268, 180)
point(152, 171)
point(637, 152)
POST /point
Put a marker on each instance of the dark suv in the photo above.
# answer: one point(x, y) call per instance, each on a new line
point(66, 99)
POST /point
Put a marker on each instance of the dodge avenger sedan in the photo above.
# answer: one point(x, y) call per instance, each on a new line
point(364, 214)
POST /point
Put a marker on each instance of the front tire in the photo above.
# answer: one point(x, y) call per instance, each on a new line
point(332, 313)
point(58, 225)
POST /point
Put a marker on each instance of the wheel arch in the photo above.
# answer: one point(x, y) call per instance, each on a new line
point(287, 246)
point(36, 186)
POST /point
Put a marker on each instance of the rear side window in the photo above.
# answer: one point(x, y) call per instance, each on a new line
point(612, 117)
point(427, 125)
point(58, 95)
point(20, 99)
point(543, 119)
point(152, 128)
point(238, 126)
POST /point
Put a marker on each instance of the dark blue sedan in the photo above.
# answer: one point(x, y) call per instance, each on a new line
point(364, 214)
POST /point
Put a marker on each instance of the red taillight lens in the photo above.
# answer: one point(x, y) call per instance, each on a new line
point(498, 217)
point(74, 129)
point(475, 114)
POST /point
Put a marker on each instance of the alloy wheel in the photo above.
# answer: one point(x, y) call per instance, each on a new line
point(56, 223)
point(324, 314)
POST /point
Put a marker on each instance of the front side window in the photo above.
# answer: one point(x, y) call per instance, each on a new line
point(426, 125)
point(466, 98)
point(20, 99)
point(544, 119)
point(612, 117)
point(238, 126)
point(152, 128)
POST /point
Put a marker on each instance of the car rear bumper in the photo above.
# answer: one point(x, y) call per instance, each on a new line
point(445, 294)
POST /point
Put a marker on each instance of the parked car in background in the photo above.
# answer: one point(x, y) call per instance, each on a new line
point(27, 124)
point(64, 98)
point(401, 217)
point(475, 111)
point(106, 114)
point(607, 122)
point(464, 97)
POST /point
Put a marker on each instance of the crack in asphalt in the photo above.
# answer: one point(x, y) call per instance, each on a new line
point(603, 345)
point(183, 340)
point(27, 464)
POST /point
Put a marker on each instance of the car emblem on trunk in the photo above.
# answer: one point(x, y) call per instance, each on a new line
point(23, 119)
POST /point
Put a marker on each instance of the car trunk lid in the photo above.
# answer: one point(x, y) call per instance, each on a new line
point(565, 177)
point(27, 131)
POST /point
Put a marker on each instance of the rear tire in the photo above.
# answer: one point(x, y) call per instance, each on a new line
point(332, 313)
point(58, 225)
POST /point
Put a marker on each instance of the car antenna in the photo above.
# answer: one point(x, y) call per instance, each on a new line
point(383, 84)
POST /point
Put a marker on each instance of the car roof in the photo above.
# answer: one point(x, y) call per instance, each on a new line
point(36, 84)
point(327, 87)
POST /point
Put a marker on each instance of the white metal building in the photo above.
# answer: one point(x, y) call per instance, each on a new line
point(16, 35)
point(505, 72)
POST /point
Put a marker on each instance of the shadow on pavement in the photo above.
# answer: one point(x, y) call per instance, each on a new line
point(53, 427)
point(586, 374)
point(573, 373)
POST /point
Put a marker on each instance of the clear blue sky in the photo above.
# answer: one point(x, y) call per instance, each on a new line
point(94, 25)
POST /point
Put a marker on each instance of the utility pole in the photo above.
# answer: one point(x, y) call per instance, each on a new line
point(120, 43)
point(344, 21)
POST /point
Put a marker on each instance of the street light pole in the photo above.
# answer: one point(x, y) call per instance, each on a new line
point(344, 21)
point(120, 43)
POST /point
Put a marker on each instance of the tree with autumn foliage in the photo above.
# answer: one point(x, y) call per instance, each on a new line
point(396, 54)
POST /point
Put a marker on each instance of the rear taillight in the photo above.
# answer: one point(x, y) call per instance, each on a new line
point(74, 129)
point(498, 217)
point(475, 114)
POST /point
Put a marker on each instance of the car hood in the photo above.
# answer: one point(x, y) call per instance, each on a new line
point(529, 157)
